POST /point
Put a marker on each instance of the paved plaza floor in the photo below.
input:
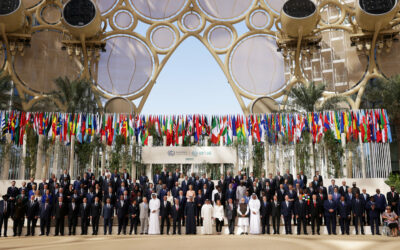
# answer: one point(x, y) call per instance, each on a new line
point(250, 242)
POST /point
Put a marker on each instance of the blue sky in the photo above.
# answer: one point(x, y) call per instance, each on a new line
point(192, 83)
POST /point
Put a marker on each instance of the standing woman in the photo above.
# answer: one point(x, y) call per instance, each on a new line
point(219, 216)
point(170, 198)
point(190, 192)
point(391, 220)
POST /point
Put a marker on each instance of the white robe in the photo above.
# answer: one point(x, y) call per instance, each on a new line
point(207, 212)
point(154, 223)
point(254, 206)
point(243, 221)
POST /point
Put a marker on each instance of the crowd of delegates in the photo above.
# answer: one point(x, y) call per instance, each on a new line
point(191, 201)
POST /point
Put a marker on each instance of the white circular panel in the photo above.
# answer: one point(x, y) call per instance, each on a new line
point(220, 37)
point(158, 9)
point(105, 5)
point(225, 9)
point(163, 37)
point(126, 67)
point(275, 5)
point(51, 14)
point(192, 21)
point(123, 19)
point(256, 66)
point(259, 19)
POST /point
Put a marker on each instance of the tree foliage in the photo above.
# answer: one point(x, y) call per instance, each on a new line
point(7, 96)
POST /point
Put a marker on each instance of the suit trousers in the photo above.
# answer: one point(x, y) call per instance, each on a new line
point(315, 222)
point(276, 223)
point(84, 225)
point(288, 224)
point(18, 224)
point(3, 220)
point(163, 220)
point(330, 221)
point(95, 224)
point(45, 224)
point(108, 223)
point(60, 226)
point(122, 223)
point(199, 219)
point(31, 225)
point(374, 221)
point(144, 225)
point(265, 223)
point(344, 225)
point(302, 220)
point(176, 223)
point(357, 220)
point(134, 223)
point(72, 222)
point(218, 225)
point(231, 224)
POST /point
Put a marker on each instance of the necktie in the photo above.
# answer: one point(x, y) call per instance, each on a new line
point(177, 207)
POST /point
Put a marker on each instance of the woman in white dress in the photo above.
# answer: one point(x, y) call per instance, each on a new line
point(254, 206)
point(181, 179)
point(170, 198)
point(154, 223)
point(243, 212)
point(219, 216)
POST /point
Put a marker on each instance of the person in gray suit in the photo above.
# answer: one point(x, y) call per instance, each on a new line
point(108, 215)
point(144, 216)
point(230, 212)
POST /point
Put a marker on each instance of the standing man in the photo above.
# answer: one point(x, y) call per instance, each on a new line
point(95, 212)
point(207, 216)
point(45, 217)
point(358, 209)
point(243, 213)
point(144, 216)
point(32, 214)
point(344, 213)
point(254, 206)
point(19, 217)
point(73, 212)
point(301, 211)
point(230, 212)
point(59, 214)
point(373, 216)
point(316, 211)
point(276, 214)
point(393, 198)
point(265, 212)
point(287, 214)
point(84, 212)
point(108, 215)
point(330, 209)
point(177, 214)
point(122, 214)
point(134, 214)
point(154, 223)
point(4, 214)
point(165, 214)
point(190, 216)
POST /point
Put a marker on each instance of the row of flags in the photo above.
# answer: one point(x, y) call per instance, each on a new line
point(371, 125)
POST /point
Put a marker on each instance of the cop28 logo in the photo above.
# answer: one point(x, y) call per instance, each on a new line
point(195, 153)
point(171, 153)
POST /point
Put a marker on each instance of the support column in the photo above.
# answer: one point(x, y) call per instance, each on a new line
point(103, 154)
point(362, 156)
point(56, 153)
point(21, 174)
point(312, 162)
point(7, 158)
point(206, 141)
point(39, 159)
point(281, 159)
point(266, 158)
point(344, 159)
point(221, 169)
point(72, 158)
point(251, 160)
point(133, 168)
point(149, 171)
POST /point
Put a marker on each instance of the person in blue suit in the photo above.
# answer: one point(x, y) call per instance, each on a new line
point(45, 217)
point(380, 201)
point(344, 213)
point(373, 215)
point(358, 209)
point(330, 208)
point(287, 214)
point(108, 216)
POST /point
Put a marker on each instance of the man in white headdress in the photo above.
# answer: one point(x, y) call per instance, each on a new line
point(243, 213)
point(154, 223)
point(254, 206)
point(206, 214)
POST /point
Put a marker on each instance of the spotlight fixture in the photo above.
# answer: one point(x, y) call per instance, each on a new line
point(12, 14)
point(369, 13)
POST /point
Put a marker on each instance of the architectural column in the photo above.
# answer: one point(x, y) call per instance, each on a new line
point(312, 162)
point(251, 160)
point(72, 159)
point(103, 155)
point(362, 157)
point(39, 159)
point(21, 174)
point(149, 171)
point(236, 167)
point(266, 158)
point(221, 169)
point(206, 141)
point(133, 168)
point(7, 158)
point(56, 155)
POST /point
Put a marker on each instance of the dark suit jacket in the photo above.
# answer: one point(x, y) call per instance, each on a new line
point(59, 212)
point(301, 209)
point(9, 209)
point(358, 208)
point(342, 190)
point(275, 209)
point(165, 211)
point(316, 210)
point(176, 214)
point(32, 209)
point(122, 211)
point(392, 198)
point(330, 205)
point(95, 211)
point(231, 213)
point(108, 213)
point(134, 210)
point(73, 212)
point(84, 212)
point(45, 213)
point(344, 210)
point(265, 209)
point(286, 210)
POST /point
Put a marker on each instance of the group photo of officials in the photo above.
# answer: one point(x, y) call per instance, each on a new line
point(172, 201)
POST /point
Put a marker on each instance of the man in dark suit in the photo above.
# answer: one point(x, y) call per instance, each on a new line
point(84, 213)
point(373, 216)
point(332, 187)
point(95, 212)
point(265, 212)
point(73, 213)
point(278, 180)
point(230, 193)
point(319, 178)
point(18, 215)
point(177, 216)
point(5, 212)
point(45, 217)
point(358, 209)
point(134, 214)
point(165, 214)
point(287, 214)
point(42, 184)
point(12, 192)
point(316, 211)
point(392, 198)
point(108, 215)
point(59, 213)
point(344, 213)
point(380, 201)
point(156, 177)
point(343, 188)
point(275, 214)
point(175, 190)
point(301, 210)
point(366, 198)
point(288, 176)
point(31, 184)
point(330, 209)
point(32, 214)
point(176, 175)
point(303, 177)
point(122, 208)
point(230, 213)
point(170, 181)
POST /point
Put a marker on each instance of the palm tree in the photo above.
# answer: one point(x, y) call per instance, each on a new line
point(7, 98)
point(75, 96)
point(310, 99)
point(385, 94)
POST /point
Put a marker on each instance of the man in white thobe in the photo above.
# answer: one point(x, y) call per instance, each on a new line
point(206, 214)
point(154, 223)
point(243, 212)
point(254, 206)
